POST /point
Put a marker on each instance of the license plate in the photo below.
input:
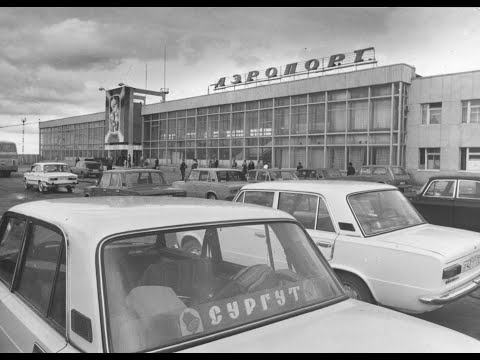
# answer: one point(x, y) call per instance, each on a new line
point(471, 263)
point(402, 182)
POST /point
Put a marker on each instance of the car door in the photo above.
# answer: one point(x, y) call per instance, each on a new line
point(102, 188)
point(437, 201)
point(466, 209)
point(30, 175)
point(190, 183)
point(312, 212)
point(202, 185)
point(381, 174)
point(33, 309)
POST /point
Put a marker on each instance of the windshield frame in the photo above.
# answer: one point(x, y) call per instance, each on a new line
point(103, 304)
point(365, 235)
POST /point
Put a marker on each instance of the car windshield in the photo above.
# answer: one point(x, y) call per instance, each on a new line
point(382, 211)
point(333, 173)
point(168, 287)
point(146, 178)
point(55, 168)
point(283, 175)
point(307, 174)
point(92, 165)
point(398, 171)
point(230, 176)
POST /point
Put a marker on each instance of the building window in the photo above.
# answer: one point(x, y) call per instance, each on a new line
point(431, 113)
point(470, 159)
point(471, 111)
point(429, 159)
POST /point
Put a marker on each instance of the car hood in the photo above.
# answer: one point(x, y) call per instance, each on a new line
point(349, 326)
point(449, 242)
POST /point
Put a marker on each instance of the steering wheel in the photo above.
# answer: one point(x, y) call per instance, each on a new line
point(251, 278)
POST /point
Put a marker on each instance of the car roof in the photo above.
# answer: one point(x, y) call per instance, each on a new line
point(319, 169)
point(453, 177)
point(50, 163)
point(386, 166)
point(274, 169)
point(333, 188)
point(135, 170)
point(217, 169)
point(116, 214)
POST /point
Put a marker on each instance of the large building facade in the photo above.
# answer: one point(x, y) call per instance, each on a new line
point(381, 115)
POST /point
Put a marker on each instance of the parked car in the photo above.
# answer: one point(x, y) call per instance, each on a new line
point(84, 168)
point(317, 174)
point(393, 175)
point(259, 175)
point(124, 182)
point(382, 250)
point(106, 275)
point(212, 183)
point(50, 176)
point(452, 200)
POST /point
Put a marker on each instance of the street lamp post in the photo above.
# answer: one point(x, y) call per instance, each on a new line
point(23, 137)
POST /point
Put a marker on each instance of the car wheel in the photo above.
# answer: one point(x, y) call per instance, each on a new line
point(41, 188)
point(69, 189)
point(355, 287)
point(212, 196)
point(192, 247)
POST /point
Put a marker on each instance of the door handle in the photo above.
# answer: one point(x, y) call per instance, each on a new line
point(323, 244)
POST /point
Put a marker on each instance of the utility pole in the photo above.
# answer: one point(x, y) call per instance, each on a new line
point(23, 136)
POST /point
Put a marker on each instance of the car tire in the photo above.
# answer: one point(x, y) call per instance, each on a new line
point(211, 196)
point(192, 247)
point(69, 189)
point(356, 287)
point(41, 188)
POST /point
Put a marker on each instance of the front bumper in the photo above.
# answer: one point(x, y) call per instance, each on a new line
point(62, 184)
point(451, 295)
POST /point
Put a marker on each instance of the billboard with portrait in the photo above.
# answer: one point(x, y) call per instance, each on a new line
point(116, 116)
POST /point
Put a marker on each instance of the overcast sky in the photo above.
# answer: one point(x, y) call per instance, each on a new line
point(53, 60)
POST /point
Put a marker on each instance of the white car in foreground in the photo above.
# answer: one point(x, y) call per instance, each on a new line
point(50, 176)
point(106, 275)
point(382, 250)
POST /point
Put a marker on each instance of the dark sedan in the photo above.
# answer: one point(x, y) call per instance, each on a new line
point(146, 182)
point(452, 201)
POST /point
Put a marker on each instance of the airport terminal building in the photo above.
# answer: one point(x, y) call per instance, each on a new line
point(377, 115)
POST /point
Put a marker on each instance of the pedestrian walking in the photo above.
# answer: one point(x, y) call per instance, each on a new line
point(157, 163)
point(234, 164)
point(215, 163)
point(350, 169)
point(299, 166)
point(251, 165)
point(244, 167)
point(129, 161)
point(77, 160)
point(183, 166)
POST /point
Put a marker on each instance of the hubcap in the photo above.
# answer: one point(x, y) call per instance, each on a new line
point(351, 291)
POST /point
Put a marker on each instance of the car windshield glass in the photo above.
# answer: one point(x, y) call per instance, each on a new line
point(398, 171)
point(333, 173)
point(230, 176)
point(145, 178)
point(92, 165)
point(283, 175)
point(55, 168)
point(168, 287)
point(381, 211)
point(307, 174)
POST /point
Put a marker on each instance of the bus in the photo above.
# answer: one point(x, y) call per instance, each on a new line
point(8, 158)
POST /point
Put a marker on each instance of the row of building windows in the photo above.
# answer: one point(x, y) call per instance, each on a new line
point(429, 159)
point(77, 136)
point(432, 112)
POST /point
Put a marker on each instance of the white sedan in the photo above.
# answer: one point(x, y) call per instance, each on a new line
point(106, 275)
point(383, 251)
point(50, 176)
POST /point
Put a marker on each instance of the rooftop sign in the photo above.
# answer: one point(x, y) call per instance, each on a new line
point(357, 57)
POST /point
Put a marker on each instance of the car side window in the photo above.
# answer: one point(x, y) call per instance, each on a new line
point(41, 281)
point(193, 176)
point(263, 176)
point(264, 198)
point(251, 175)
point(441, 188)
point(302, 207)
point(203, 176)
point(11, 232)
point(468, 189)
point(212, 177)
point(324, 220)
point(380, 171)
point(105, 180)
point(240, 197)
point(115, 181)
